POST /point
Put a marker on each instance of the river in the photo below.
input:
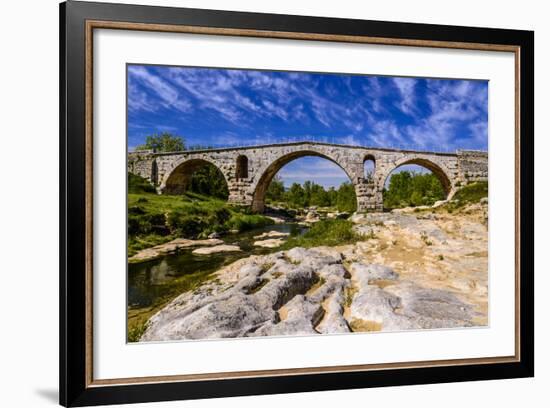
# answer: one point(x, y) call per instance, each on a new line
point(154, 283)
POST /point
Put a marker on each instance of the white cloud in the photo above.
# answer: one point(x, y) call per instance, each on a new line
point(453, 104)
point(138, 99)
point(406, 88)
point(168, 94)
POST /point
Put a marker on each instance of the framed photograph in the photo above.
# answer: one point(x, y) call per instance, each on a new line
point(256, 204)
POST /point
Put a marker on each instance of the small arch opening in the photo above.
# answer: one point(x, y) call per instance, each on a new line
point(369, 167)
point(154, 173)
point(242, 167)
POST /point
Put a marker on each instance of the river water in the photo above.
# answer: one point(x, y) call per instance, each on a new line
point(152, 284)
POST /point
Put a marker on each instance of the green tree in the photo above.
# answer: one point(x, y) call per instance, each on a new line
point(163, 142)
point(332, 195)
point(319, 196)
point(208, 180)
point(346, 201)
point(296, 196)
point(412, 189)
point(276, 190)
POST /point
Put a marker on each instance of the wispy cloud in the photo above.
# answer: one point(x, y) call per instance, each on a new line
point(323, 171)
point(455, 106)
point(169, 95)
point(406, 88)
point(224, 106)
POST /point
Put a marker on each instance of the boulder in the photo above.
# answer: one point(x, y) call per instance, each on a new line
point(269, 243)
point(365, 274)
point(333, 320)
point(272, 234)
point(216, 249)
point(312, 216)
point(177, 244)
point(372, 304)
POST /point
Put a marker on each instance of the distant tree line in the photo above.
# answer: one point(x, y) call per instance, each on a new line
point(312, 194)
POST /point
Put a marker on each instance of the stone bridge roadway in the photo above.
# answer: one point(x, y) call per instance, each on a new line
point(249, 170)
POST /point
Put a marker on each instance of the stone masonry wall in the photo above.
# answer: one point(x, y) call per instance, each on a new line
point(473, 165)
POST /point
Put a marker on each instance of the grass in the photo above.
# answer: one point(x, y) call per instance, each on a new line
point(425, 239)
point(469, 194)
point(137, 184)
point(258, 286)
point(325, 233)
point(472, 193)
point(246, 222)
point(267, 266)
point(136, 330)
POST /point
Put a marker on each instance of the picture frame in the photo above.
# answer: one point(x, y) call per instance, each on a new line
point(79, 21)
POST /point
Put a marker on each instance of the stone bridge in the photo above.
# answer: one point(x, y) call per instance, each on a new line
point(249, 170)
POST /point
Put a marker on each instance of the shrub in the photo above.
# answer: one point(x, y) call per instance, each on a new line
point(136, 210)
point(138, 184)
point(222, 215)
point(245, 222)
point(140, 222)
point(184, 224)
point(326, 232)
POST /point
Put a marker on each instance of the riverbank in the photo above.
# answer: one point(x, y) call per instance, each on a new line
point(155, 220)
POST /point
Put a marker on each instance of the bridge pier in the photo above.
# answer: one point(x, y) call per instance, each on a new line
point(239, 193)
point(370, 202)
point(369, 196)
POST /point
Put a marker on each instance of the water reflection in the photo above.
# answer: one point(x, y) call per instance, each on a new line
point(149, 282)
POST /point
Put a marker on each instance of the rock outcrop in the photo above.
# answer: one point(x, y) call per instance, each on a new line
point(216, 249)
point(269, 243)
point(305, 292)
point(172, 246)
point(412, 271)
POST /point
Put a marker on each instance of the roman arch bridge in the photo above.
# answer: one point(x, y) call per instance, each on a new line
point(249, 170)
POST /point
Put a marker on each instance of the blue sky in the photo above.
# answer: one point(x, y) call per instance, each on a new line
point(222, 107)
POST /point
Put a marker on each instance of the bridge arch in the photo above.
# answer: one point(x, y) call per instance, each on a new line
point(266, 174)
point(177, 179)
point(442, 173)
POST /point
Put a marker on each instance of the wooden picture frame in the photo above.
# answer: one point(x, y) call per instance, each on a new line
point(78, 20)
